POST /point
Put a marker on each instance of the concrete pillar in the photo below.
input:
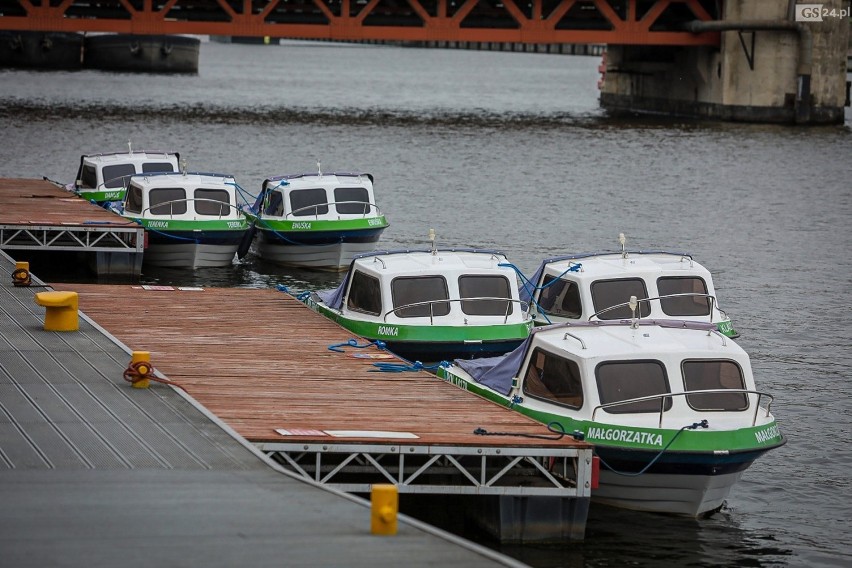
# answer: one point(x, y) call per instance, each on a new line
point(758, 78)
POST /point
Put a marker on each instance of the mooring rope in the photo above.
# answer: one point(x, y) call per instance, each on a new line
point(141, 370)
point(702, 424)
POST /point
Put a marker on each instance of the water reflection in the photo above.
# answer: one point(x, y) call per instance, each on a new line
point(644, 539)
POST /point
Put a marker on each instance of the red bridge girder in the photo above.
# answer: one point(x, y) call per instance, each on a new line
point(629, 22)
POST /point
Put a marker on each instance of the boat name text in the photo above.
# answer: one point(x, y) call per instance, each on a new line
point(618, 435)
point(301, 225)
point(374, 222)
point(457, 381)
point(388, 330)
point(235, 224)
point(158, 224)
point(767, 434)
point(112, 195)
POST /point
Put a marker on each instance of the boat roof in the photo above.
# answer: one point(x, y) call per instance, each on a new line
point(617, 338)
point(315, 178)
point(613, 265)
point(427, 261)
point(133, 157)
point(180, 179)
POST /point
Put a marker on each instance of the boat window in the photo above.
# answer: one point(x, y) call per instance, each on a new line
point(149, 167)
point(205, 198)
point(88, 177)
point(114, 176)
point(304, 202)
point(422, 290)
point(627, 380)
point(475, 286)
point(712, 375)
point(684, 305)
point(352, 200)
point(606, 293)
point(554, 379)
point(274, 204)
point(167, 201)
point(133, 200)
point(365, 294)
point(562, 298)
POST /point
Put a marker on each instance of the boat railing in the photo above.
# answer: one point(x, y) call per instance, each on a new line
point(665, 396)
point(222, 207)
point(103, 185)
point(713, 304)
point(431, 303)
point(368, 208)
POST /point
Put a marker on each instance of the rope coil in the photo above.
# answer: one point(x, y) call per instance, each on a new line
point(21, 277)
point(143, 370)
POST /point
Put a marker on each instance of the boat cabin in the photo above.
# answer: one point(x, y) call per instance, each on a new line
point(467, 287)
point(640, 376)
point(104, 177)
point(588, 286)
point(180, 196)
point(300, 197)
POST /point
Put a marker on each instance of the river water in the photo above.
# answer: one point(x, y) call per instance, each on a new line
point(510, 151)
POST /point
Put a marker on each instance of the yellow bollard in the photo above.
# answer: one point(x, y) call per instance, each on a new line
point(143, 357)
point(61, 310)
point(21, 275)
point(384, 501)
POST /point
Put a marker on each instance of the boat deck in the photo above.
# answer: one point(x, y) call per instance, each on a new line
point(96, 473)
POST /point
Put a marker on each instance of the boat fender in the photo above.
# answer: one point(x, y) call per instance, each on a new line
point(245, 243)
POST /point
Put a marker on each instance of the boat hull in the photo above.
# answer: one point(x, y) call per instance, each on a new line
point(327, 251)
point(434, 351)
point(690, 484)
point(684, 495)
point(192, 249)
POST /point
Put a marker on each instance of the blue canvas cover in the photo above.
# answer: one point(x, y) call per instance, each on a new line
point(496, 372)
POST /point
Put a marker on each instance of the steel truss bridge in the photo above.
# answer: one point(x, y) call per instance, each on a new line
point(627, 22)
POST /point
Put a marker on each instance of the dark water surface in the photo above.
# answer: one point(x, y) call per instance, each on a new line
point(510, 151)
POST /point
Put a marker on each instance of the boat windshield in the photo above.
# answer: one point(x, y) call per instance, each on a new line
point(561, 298)
point(149, 167)
point(485, 286)
point(714, 375)
point(683, 305)
point(114, 175)
point(554, 379)
point(421, 290)
point(352, 200)
point(205, 198)
point(365, 294)
point(304, 202)
point(607, 293)
point(167, 201)
point(89, 177)
point(626, 380)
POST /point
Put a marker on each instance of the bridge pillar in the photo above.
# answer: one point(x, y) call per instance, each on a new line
point(768, 68)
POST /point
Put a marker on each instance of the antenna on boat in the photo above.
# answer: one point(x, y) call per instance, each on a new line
point(319, 169)
point(183, 166)
point(129, 147)
point(633, 303)
point(432, 238)
point(622, 240)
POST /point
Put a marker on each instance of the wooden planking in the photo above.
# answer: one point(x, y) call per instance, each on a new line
point(259, 360)
point(40, 202)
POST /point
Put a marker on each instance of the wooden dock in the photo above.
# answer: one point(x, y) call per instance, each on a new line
point(37, 215)
point(259, 360)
